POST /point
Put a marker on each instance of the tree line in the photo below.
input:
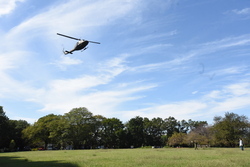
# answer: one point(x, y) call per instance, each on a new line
point(79, 129)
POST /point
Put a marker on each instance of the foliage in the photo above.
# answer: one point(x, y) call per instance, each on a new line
point(43, 130)
point(79, 129)
point(111, 133)
point(170, 126)
point(15, 133)
point(177, 139)
point(229, 129)
point(135, 128)
point(153, 130)
point(4, 129)
point(12, 146)
point(200, 134)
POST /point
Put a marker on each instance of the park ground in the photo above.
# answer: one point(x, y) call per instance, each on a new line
point(209, 157)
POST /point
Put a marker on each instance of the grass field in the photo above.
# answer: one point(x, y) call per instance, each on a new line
point(222, 157)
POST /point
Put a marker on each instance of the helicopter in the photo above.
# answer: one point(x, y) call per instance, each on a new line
point(80, 45)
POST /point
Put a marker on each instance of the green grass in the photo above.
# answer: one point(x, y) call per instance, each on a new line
point(222, 157)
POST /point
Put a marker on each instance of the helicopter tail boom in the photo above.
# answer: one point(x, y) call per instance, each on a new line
point(67, 52)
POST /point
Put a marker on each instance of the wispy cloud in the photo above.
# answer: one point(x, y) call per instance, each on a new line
point(171, 65)
point(230, 98)
point(44, 23)
point(225, 43)
point(232, 70)
point(242, 11)
point(180, 110)
point(62, 95)
point(156, 36)
point(99, 101)
point(66, 61)
point(6, 7)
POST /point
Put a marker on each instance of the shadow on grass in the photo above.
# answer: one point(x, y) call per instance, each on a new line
point(22, 162)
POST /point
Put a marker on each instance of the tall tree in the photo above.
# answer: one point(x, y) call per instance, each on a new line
point(153, 131)
point(43, 130)
point(112, 128)
point(79, 127)
point(17, 126)
point(96, 132)
point(4, 129)
point(229, 129)
point(135, 127)
point(170, 126)
point(196, 124)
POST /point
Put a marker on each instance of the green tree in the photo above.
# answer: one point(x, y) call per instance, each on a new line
point(79, 127)
point(229, 129)
point(196, 124)
point(135, 130)
point(177, 139)
point(16, 128)
point(170, 126)
point(112, 128)
point(153, 131)
point(96, 131)
point(12, 146)
point(43, 130)
point(4, 129)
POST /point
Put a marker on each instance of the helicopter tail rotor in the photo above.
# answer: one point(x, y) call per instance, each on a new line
point(66, 52)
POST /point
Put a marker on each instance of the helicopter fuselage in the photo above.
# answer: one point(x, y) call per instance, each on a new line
point(80, 45)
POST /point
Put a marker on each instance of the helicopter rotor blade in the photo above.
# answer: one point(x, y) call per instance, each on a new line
point(68, 37)
point(94, 42)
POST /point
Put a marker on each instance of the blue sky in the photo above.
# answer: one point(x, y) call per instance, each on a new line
point(183, 58)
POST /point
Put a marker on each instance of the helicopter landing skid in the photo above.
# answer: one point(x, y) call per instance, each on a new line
point(84, 49)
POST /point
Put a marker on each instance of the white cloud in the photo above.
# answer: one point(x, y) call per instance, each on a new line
point(149, 38)
point(224, 43)
point(62, 95)
point(238, 89)
point(115, 65)
point(7, 6)
point(203, 49)
point(231, 104)
point(180, 110)
point(12, 59)
point(195, 92)
point(232, 70)
point(242, 11)
point(176, 63)
point(230, 98)
point(66, 61)
point(83, 17)
point(100, 102)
